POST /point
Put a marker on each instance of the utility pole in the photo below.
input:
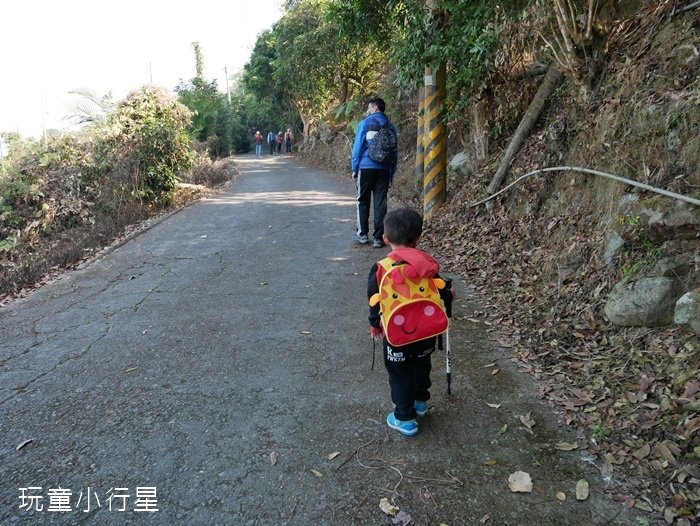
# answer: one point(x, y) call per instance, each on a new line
point(228, 91)
point(435, 135)
point(434, 142)
point(43, 119)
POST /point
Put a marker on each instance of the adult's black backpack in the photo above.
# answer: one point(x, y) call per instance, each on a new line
point(382, 148)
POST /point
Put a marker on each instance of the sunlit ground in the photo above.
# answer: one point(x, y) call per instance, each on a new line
point(293, 198)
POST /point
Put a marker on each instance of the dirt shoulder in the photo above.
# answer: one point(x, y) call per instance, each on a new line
point(38, 262)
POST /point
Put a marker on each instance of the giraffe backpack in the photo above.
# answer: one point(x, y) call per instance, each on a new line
point(410, 306)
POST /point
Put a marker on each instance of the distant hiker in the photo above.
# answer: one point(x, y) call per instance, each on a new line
point(288, 138)
point(280, 140)
point(408, 365)
point(272, 142)
point(373, 172)
point(258, 143)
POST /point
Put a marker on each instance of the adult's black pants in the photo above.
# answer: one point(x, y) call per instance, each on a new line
point(372, 185)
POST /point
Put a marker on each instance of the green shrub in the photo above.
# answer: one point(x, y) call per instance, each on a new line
point(148, 131)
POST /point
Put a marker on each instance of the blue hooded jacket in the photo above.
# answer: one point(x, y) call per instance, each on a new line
point(360, 153)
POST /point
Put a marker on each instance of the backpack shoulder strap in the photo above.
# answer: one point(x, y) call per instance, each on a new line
point(383, 267)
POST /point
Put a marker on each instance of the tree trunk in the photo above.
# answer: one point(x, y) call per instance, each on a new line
point(547, 87)
point(305, 121)
point(480, 131)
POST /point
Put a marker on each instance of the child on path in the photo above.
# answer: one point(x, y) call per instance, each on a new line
point(408, 365)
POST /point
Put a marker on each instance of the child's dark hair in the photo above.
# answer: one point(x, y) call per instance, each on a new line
point(403, 227)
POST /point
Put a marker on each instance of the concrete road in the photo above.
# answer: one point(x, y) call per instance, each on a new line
point(216, 368)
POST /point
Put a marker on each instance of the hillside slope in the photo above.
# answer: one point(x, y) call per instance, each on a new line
point(539, 260)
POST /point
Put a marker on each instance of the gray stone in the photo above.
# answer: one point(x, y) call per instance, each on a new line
point(325, 134)
point(645, 302)
point(674, 267)
point(457, 170)
point(663, 218)
point(688, 310)
point(612, 247)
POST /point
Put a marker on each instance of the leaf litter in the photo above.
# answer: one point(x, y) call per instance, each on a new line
point(633, 392)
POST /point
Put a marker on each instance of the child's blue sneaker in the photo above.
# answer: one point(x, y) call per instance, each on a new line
point(420, 407)
point(405, 427)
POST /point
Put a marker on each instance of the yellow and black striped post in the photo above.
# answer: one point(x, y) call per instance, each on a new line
point(419, 142)
point(434, 143)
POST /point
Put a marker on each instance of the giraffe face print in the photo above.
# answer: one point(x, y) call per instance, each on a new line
point(411, 306)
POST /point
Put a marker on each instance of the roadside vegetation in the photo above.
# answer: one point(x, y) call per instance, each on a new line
point(65, 197)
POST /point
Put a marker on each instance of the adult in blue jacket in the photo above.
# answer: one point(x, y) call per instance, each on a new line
point(372, 179)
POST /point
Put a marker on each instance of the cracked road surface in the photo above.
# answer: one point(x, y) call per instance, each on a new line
point(222, 356)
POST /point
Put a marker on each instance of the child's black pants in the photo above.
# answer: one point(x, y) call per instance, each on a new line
point(409, 375)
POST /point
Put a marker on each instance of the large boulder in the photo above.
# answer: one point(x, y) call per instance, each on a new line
point(678, 266)
point(645, 302)
point(660, 218)
point(688, 310)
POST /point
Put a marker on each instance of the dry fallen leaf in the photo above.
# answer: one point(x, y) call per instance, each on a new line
point(387, 507)
point(304, 332)
point(273, 458)
point(494, 372)
point(527, 421)
point(642, 452)
point(402, 518)
point(520, 482)
point(670, 515)
point(566, 446)
point(503, 429)
point(582, 489)
point(491, 462)
point(560, 496)
point(24, 443)
point(317, 473)
point(495, 406)
point(331, 456)
point(485, 519)
point(493, 364)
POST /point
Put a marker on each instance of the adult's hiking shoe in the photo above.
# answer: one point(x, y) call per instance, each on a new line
point(420, 407)
point(405, 427)
point(378, 243)
point(363, 240)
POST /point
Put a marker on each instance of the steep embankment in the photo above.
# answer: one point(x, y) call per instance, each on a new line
point(549, 253)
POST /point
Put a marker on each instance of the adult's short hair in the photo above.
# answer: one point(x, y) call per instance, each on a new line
point(403, 226)
point(379, 102)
